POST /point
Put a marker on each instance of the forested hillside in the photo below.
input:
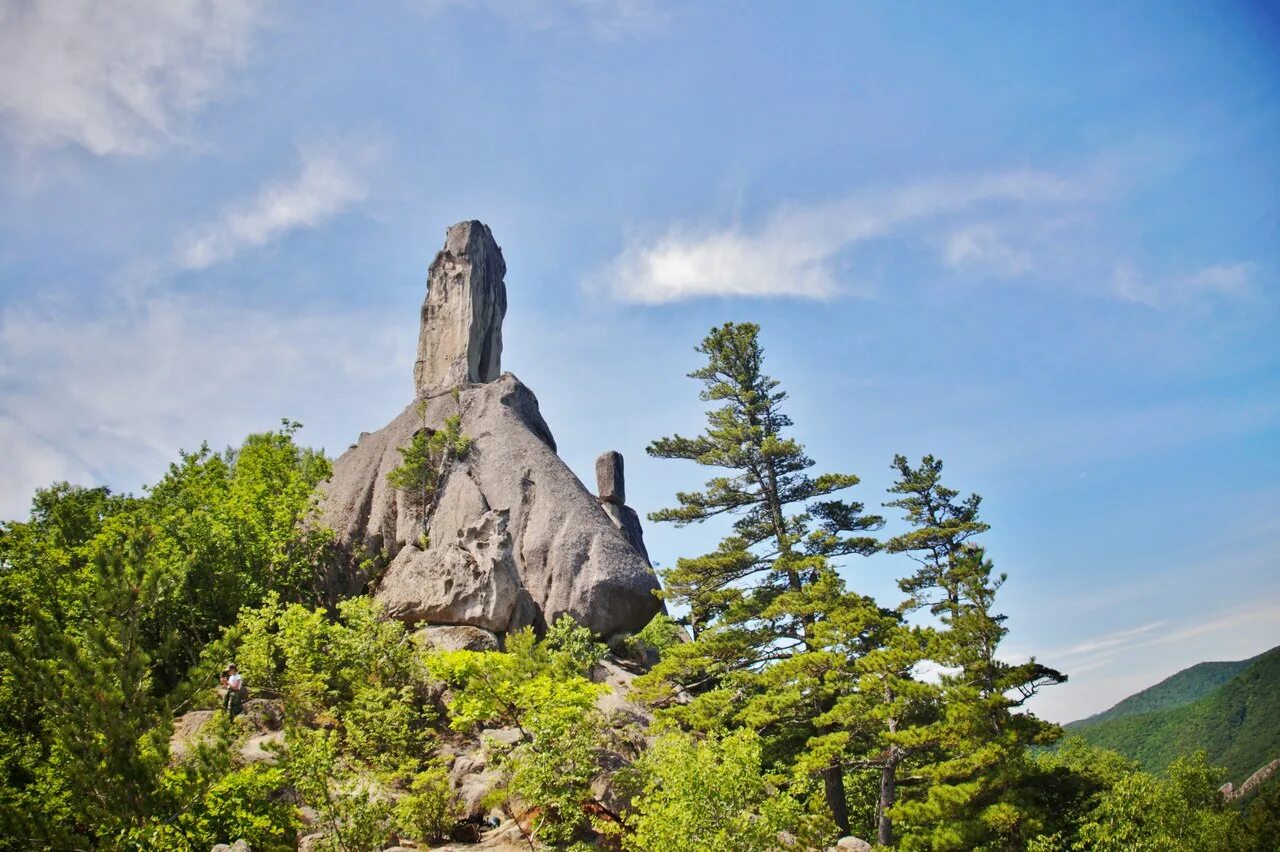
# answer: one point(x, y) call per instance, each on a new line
point(1176, 690)
point(1237, 724)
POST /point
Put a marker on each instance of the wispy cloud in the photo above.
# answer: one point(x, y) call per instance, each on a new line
point(1117, 664)
point(119, 77)
point(602, 18)
point(108, 394)
point(984, 247)
point(1224, 279)
point(325, 185)
point(796, 253)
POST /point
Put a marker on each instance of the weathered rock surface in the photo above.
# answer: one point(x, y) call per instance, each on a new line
point(457, 637)
point(557, 552)
point(612, 490)
point(471, 580)
point(567, 554)
point(460, 340)
point(610, 479)
point(240, 845)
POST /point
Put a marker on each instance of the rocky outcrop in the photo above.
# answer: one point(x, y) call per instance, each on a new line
point(451, 637)
point(460, 338)
point(553, 551)
point(469, 580)
point(612, 490)
point(1230, 792)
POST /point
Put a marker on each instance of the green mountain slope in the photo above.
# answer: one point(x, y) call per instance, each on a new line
point(1237, 723)
point(1176, 690)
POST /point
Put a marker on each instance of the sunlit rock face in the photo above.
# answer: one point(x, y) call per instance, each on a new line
point(511, 536)
point(460, 339)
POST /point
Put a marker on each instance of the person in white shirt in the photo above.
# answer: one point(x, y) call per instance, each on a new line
point(232, 682)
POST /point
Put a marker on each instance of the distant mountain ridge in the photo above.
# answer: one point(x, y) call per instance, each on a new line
point(1176, 690)
point(1231, 710)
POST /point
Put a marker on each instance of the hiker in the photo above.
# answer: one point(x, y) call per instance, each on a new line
point(232, 682)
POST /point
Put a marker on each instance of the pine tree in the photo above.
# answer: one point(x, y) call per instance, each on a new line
point(940, 527)
point(755, 601)
point(105, 733)
point(977, 786)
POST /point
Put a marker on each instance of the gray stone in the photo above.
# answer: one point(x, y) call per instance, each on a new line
point(610, 480)
point(628, 523)
point(458, 637)
point(568, 555)
point(853, 844)
point(240, 845)
point(561, 554)
point(460, 338)
point(471, 580)
point(633, 533)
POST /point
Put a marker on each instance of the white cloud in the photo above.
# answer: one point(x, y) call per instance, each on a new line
point(107, 395)
point(325, 186)
point(984, 248)
point(1225, 279)
point(797, 251)
point(118, 77)
point(604, 18)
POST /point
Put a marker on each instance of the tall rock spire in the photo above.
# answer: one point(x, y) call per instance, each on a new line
point(460, 339)
point(510, 537)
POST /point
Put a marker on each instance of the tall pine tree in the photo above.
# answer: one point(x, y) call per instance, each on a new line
point(756, 600)
point(975, 791)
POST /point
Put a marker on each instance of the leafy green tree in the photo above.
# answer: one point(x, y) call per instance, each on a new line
point(424, 461)
point(104, 735)
point(1260, 823)
point(430, 809)
point(1142, 813)
point(358, 673)
point(354, 816)
point(750, 608)
point(713, 794)
point(541, 691)
point(1068, 783)
point(881, 713)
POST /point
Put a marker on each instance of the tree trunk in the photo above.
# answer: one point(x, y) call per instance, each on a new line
point(888, 794)
point(833, 784)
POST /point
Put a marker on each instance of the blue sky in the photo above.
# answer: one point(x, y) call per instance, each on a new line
point(1040, 241)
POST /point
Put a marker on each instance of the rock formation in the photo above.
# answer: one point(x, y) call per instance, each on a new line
point(460, 337)
point(510, 537)
point(611, 486)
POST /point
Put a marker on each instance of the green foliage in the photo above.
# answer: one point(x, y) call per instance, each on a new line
point(939, 528)
point(661, 633)
point(1067, 783)
point(1144, 814)
point(355, 818)
point(755, 601)
point(540, 690)
point(1237, 724)
point(90, 770)
point(359, 672)
point(247, 802)
point(712, 794)
point(1260, 822)
point(430, 809)
point(424, 461)
point(977, 782)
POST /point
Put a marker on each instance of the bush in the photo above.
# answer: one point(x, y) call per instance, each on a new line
point(430, 810)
